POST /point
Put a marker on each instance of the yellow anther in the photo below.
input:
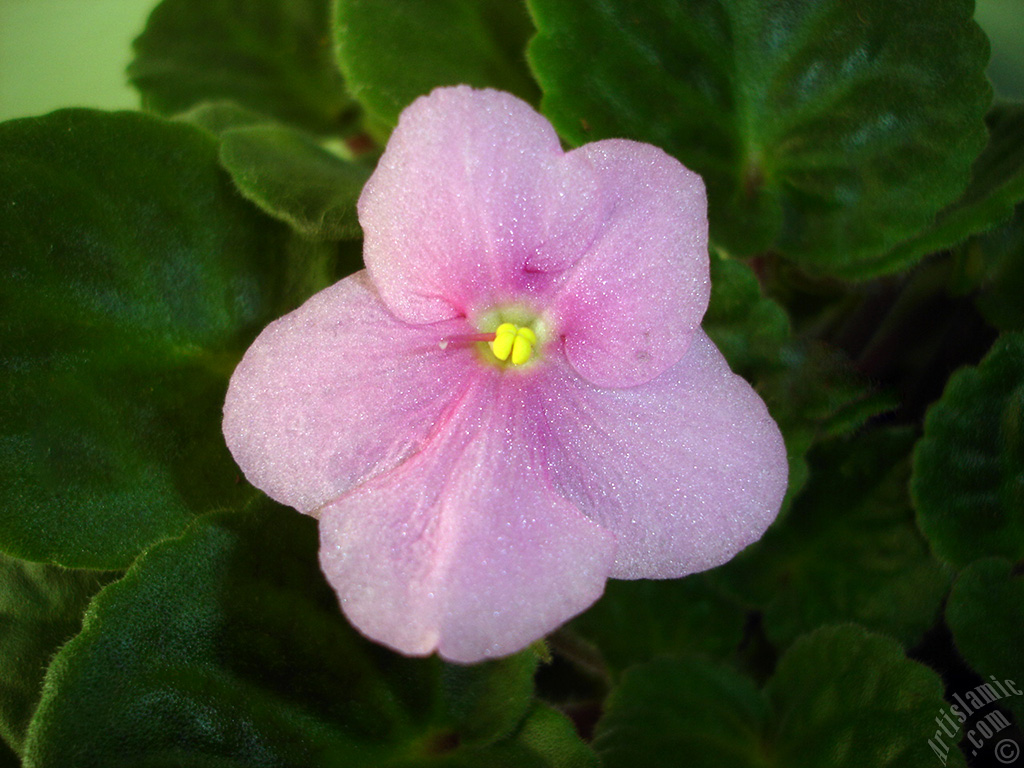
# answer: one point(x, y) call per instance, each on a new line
point(514, 343)
point(522, 347)
point(504, 339)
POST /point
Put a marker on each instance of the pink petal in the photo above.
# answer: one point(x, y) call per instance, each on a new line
point(627, 309)
point(465, 548)
point(338, 391)
point(472, 188)
point(686, 470)
point(474, 205)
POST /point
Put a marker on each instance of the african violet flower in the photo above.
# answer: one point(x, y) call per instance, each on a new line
point(514, 401)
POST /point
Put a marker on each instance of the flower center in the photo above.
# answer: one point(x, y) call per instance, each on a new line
point(513, 343)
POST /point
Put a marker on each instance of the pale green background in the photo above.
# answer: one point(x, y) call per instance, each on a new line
point(62, 53)
point(58, 53)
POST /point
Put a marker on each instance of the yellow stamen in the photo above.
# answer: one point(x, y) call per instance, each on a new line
point(514, 343)
point(522, 348)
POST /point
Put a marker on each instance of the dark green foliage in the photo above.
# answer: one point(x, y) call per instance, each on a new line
point(294, 179)
point(226, 647)
point(997, 184)
point(811, 391)
point(41, 608)
point(986, 615)
point(135, 277)
point(639, 620)
point(968, 480)
point(840, 697)
point(392, 51)
point(847, 551)
point(829, 131)
point(273, 57)
point(140, 255)
point(990, 268)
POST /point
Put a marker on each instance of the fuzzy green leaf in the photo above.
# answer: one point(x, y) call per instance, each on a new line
point(829, 131)
point(750, 329)
point(812, 393)
point(392, 51)
point(294, 179)
point(997, 185)
point(273, 56)
point(222, 115)
point(848, 550)
point(840, 696)
point(985, 612)
point(968, 483)
point(990, 267)
point(227, 647)
point(41, 608)
point(134, 277)
point(636, 621)
point(672, 712)
point(844, 696)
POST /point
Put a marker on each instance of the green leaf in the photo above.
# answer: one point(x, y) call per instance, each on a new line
point(392, 51)
point(637, 621)
point(672, 712)
point(844, 696)
point(750, 329)
point(847, 551)
point(991, 268)
point(968, 483)
point(482, 700)
point(220, 116)
point(290, 174)
point(549, 735)
point(816, 396)
point(754, 334)
point(134, 278)
point(840, 696)
point(829, 131)
point(293, 178)
point(986, 615)
point(41, 608)
point(227, 647)
point(812, 393)
point(997, 185)
point(273, 56)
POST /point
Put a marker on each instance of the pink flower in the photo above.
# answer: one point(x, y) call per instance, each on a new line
point(515, 400)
